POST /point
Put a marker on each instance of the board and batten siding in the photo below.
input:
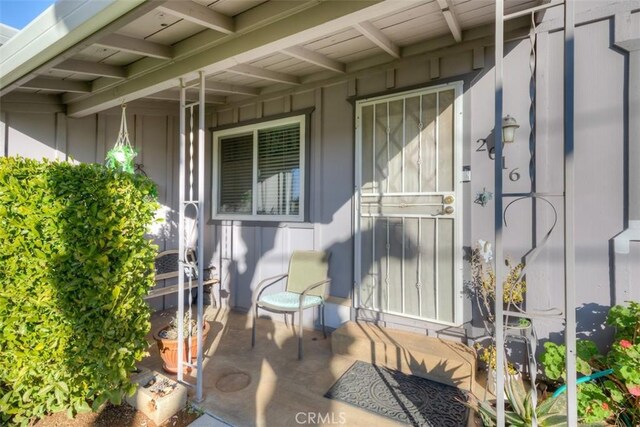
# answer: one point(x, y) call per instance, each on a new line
point(246, 252)
point(42, 130)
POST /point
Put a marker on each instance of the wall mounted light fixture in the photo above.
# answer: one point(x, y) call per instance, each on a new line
point(509, 126)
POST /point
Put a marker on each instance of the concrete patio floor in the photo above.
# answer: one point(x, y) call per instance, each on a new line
point(268, 385)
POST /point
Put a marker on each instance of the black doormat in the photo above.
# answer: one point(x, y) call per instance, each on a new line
point(406, 398)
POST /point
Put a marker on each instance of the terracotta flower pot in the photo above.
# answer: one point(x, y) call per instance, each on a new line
point(169, 349)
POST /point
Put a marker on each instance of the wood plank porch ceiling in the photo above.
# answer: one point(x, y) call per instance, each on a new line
point(171, 40)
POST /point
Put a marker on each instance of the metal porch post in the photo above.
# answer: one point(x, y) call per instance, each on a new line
point(569, 212)
point(181, 233)
point(498, 259)
point(200, 222)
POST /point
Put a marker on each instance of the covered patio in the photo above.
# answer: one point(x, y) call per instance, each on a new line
point(268, 386)
point(388, 109)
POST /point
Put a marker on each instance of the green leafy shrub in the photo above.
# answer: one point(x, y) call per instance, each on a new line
point(74, 268)
point(615, 399)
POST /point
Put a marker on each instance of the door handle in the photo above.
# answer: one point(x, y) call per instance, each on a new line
point(448, 210)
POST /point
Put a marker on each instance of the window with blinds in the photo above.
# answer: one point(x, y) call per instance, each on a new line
point(261, 171)
point(236, 174)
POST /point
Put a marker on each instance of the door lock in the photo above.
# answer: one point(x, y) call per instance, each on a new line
point(448, 199)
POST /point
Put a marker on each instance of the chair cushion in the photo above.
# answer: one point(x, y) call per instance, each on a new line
point(288, 301)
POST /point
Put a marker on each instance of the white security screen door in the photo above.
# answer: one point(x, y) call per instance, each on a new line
point(408, 215)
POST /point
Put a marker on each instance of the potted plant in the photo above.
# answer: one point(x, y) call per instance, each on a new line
point(488, 356)
point(483, 289)
point(521, 409)
point(167, 340)
point(483, 286)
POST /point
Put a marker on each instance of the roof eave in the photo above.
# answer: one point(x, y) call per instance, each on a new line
point(61, 26)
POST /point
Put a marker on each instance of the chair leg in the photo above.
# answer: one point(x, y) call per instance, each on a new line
point(212, 298)
point(286, 320)
point(324, 328)
point(300, 350)
point(253, 328)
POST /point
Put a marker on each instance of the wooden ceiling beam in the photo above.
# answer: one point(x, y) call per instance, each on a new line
point(191, 96)
point(43, 83)
point(261, 73)
point(137, 46)
point(91, 68)
point(315, 58)
point(368, 30)
point(231, 89)
point(451, 18)
point(199, 14)
point(298, 23)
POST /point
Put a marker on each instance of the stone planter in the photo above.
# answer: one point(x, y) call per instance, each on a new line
point(169, 349)
point(157, 396)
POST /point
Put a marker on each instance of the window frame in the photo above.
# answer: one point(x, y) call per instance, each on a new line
point(301, 120)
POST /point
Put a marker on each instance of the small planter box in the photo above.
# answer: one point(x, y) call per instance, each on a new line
point(157, 396)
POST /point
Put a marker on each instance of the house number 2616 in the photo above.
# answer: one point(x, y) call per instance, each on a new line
point(514, 175)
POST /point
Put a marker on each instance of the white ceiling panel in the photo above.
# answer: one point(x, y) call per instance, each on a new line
point(95, 54)
point(418, 12)
point(80, 77)
point(468, 6)
point(25, 90)
point(122, 58)
point(58, 74)
point(361, 54)
point(331, 39)
point(272, 60)
point(239, 80)
point(472, 13)
point(416, 30)
point(485, 15)
point(174, 33)
point(340, 50)
point(231, 7)
point(299, 68)
point(149, 24)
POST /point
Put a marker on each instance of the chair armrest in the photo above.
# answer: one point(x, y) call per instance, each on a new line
point(310, 288)
point(264, 284)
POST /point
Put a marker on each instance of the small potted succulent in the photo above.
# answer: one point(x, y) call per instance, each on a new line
point(483, 286)
point(488, 356)
point(167, 340)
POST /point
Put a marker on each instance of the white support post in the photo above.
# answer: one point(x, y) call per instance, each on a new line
point(181, 233)
point(499, 266)
point(569, 212)
point(200, 222)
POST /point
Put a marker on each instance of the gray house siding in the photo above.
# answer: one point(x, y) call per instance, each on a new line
point(246, 252)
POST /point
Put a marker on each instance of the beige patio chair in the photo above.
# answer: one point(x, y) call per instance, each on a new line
point(307, 287)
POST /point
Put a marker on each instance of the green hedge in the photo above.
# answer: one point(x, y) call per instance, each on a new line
point(74, 268)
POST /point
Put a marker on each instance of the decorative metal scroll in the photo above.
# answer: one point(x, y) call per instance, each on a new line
point(531, 256)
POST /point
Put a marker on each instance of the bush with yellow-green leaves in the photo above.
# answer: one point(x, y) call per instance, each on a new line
point(74, 268)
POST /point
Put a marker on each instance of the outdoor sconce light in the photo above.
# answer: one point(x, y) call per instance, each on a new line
point(509, 126)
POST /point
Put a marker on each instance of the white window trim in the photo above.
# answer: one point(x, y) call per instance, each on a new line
point(254, 128)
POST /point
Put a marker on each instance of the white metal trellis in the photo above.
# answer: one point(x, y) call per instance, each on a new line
point(569, 316)
point(198, 207)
